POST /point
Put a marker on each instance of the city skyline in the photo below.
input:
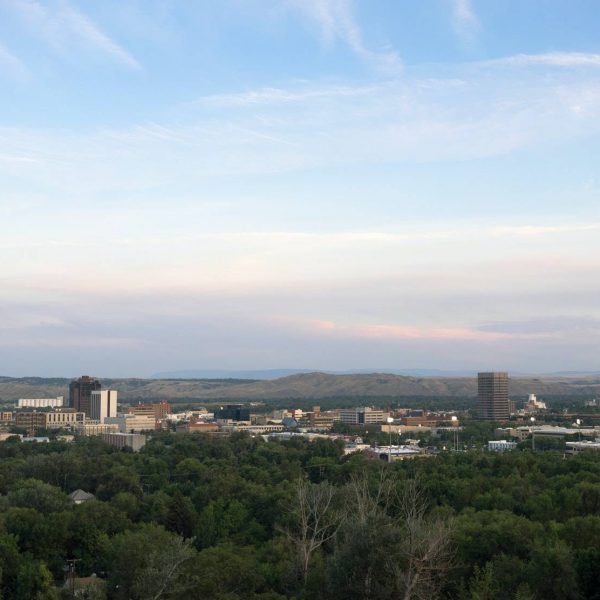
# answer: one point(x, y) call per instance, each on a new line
point(327, 184)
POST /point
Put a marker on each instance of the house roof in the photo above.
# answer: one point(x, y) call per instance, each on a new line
point(81, 496)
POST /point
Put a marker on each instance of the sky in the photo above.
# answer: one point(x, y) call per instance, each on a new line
point(321, 184)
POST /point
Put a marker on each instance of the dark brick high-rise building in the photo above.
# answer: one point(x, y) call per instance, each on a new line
point(80, 393)
point(493, 396)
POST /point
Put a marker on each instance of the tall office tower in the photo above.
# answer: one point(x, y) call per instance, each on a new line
point(103, 403)
point(80, 393)
point(493, 396)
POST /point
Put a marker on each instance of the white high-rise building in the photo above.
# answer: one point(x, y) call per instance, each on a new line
point(103, 404)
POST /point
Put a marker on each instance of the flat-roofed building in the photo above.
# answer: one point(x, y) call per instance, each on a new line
point(131, 423)
point(252, 429)
point(492, 391)
point(394, 453)
point(80, 393)
point(582, 446)
point(197, 427)
point(501, 445)
point(103, 404)
point(362, 416)
point(135, 441)
point(6, 416)
point(161, 409)
point(233, 412)
point(34, 420)
point(64, 418)
point(145, 410)
point(95, 428)
point(40, 402)
point(30, 421)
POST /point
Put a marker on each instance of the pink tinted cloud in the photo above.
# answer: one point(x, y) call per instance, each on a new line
point(400, 332)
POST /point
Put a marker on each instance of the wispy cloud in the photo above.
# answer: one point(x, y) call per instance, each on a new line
point(11, 62)
point(541, 230)
point(268, 96)
point(466, 23)
point(279, 130)
point(63, 25)
point(407, 332)
point(550, 59)
point(336, 22)
point(89, 32)
point(555, 325)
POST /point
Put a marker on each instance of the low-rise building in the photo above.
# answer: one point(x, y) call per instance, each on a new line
point(582, 446)
point(95, 428)
point(133, 423)
point(401, 429)
point(362, 416)
point(40, 402)
point(323, 420)
point(233, 412)
point(533, 405)
point(501, 445)
point(524, 432)
point(6, 416)
point(159, 410)
point(196, 427)
point(66, 418)
point(135, 441)
point(30, 421)
point(58, 419)
point(394, 453)
point(253, 429)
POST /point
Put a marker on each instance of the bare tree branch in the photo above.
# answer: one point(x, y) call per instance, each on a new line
point(314, 520)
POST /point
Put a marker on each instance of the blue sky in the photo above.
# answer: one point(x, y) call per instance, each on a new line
point(328, 184)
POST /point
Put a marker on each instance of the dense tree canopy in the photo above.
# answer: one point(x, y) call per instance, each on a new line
point(228, 518)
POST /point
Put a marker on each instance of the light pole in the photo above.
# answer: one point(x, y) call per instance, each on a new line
point(455, 425)
point(532, 434)
point(390, 420)
point(578, 429)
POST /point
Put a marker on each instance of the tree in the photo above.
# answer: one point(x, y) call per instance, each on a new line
point(390, 546)
point(161, 576)
point(552, 572)
point(181, 516)
point(226, 572)
point(313, 520)
point(483, 584)
point(32, 493)
point(426, 546)
point(149, 564)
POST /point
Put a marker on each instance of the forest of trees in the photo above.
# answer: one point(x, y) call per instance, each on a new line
point(239, 518)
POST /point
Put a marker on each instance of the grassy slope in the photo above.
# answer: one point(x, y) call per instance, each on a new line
point(310, 385)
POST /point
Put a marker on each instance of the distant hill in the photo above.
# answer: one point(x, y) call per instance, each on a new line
point(301, 386)
point(277, 373)
point(225, 374)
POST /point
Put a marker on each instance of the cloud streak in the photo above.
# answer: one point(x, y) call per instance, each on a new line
point(65, 27)
point(409, 332)
point(466, 23)
point(12, 64)
point(279, 130)
point(336, 22)
point(550, 59)
point(82, 26)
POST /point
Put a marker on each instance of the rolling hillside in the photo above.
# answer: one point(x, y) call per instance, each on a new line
point(305, 385)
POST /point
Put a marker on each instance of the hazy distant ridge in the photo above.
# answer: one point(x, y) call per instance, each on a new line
point(303, 385)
